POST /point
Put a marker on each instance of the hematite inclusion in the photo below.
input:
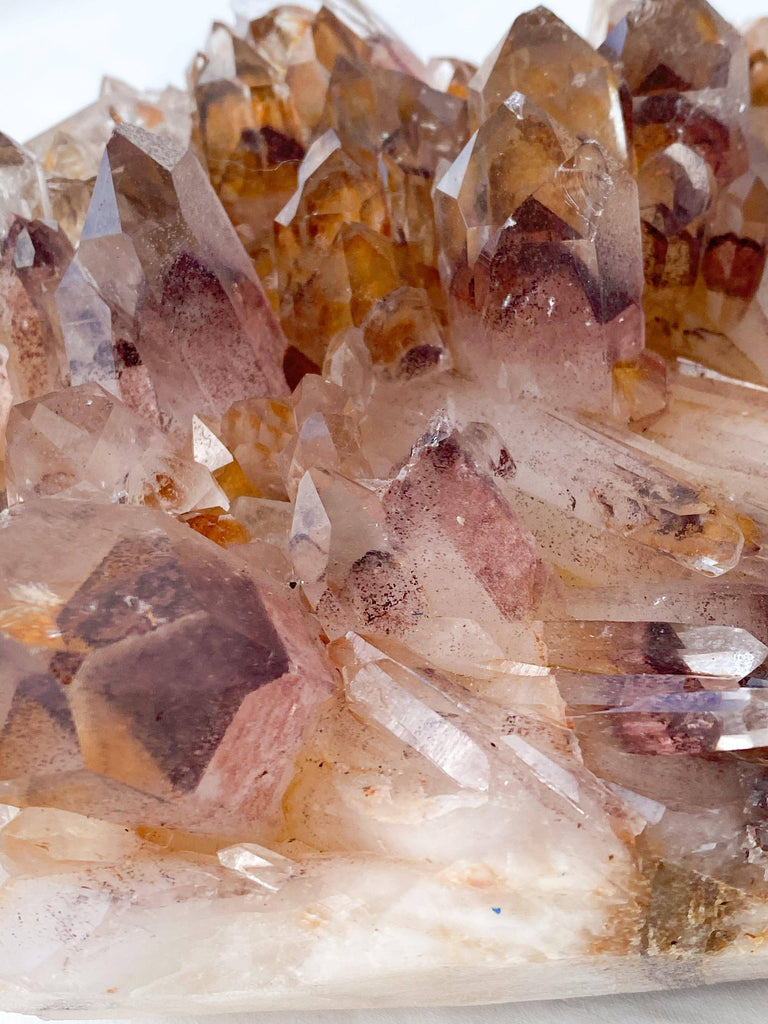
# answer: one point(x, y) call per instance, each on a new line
point(383, 599)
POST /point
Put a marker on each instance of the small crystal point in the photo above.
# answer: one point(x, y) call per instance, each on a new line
point(84, 442)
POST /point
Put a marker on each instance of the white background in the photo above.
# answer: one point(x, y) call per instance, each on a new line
point(54, 52)
point(52, 56)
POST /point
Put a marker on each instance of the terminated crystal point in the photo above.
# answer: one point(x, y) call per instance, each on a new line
point(236, 81)
point(416, 124)
point(132, 296)
point(248, 130)
point(349, 28)
point(372, 600)
point(84, 442)
point(541, 258)
point(687, 49)
point(34, 259)
point(724, 653)
point(447, 516)
point(544, 59)
point(634, 492)
point(70, 152)
point(310, 533)
point(117, 658)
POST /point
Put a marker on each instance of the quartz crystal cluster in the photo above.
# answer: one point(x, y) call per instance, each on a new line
point(384, 474)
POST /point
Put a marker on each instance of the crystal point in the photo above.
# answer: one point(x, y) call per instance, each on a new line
point(149, 595)
point(547, 62)
point(85, 442)
point(126, 299)
point(536, 250)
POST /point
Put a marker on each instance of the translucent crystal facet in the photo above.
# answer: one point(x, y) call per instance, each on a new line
point(556, 69)
point(129, 638)
point(134, 292)
point(540, 255)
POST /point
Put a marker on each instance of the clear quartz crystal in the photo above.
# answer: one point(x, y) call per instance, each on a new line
point(383, 517)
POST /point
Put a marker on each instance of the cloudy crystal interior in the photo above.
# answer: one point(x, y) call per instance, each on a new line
point(383, 522)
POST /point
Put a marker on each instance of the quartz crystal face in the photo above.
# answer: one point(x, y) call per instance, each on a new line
point(700, 177)
point(383, 516)
point(540, 257)
point(543, 59)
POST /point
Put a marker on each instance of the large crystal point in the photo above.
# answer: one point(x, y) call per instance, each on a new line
point(447, 515)
point(640, 495)
point(540, 254)
point(161, 304)
point(158, 660)
point(547, 62)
